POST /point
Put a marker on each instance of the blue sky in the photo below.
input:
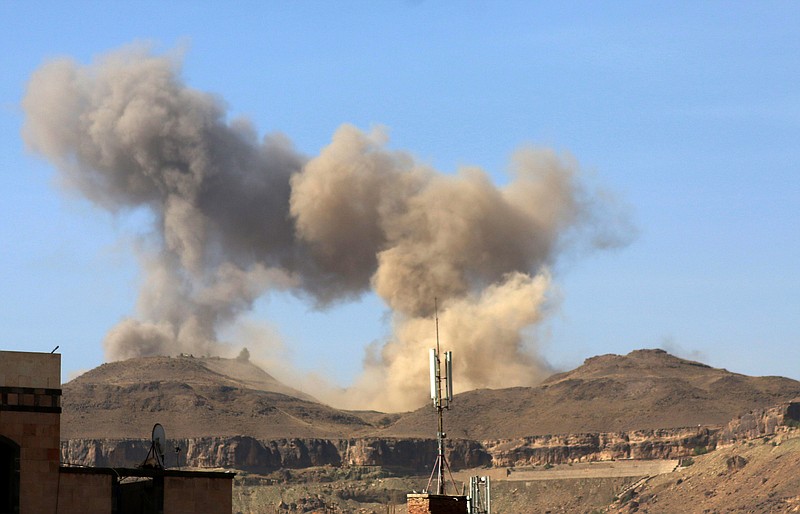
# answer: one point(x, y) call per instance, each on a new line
point(689, 113)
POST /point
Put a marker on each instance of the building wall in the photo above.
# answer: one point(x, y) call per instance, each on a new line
point(25, 369)
point(183, 495)
point(436, 504)
point(30, 421)
point(30, 412)
point(80, 493)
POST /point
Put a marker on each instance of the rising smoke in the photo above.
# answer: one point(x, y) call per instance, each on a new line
point(235, 217)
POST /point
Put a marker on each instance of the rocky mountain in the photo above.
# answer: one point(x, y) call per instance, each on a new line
point(756, 475)
point(646, 389)
point(416, 455)
point(194, 397)
point(230, 413)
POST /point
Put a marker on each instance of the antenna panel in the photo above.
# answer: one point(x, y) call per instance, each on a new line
point(448, 361)
point(434, 376)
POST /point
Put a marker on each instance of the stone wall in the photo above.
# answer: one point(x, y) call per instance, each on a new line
point(35, 370)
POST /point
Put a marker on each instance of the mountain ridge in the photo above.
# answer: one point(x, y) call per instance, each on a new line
point(645, 389)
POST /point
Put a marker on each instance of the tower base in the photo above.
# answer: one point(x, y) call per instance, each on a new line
point(436, 504)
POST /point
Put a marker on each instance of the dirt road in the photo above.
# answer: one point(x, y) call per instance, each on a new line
point(605, 469)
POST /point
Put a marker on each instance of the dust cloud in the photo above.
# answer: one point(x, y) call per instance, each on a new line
point(235, 217)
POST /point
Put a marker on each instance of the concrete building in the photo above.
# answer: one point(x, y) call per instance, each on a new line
point(32, 480)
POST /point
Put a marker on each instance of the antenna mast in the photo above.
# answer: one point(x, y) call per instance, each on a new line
point(440, 402)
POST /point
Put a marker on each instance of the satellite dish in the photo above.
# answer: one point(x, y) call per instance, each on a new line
point(159, 440)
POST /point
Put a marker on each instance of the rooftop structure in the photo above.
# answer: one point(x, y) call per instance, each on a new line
point(30, 431)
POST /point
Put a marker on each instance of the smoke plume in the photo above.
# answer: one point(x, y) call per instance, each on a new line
point(235, 217)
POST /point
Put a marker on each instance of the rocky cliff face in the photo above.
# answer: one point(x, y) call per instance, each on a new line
point(250, 454)
point(761, 422)
point(255, 455)
point(570, 448)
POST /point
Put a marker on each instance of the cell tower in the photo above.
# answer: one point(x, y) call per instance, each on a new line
point(440, 402)
point(479, 500)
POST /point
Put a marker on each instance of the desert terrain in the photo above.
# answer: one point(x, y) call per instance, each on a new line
point(644, 432)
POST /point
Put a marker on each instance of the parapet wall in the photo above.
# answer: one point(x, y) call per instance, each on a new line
point(25, 369)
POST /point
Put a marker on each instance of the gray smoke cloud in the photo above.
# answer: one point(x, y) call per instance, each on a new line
point(235, 217)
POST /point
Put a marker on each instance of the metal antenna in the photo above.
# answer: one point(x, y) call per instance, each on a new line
point(440, 402)
point(436, 319)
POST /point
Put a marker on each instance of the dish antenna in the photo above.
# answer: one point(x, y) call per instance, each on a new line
point(158, 441)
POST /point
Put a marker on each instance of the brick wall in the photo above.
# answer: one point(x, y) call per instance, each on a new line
point(436, 504)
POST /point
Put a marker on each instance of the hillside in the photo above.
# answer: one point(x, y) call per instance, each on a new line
point(759, 475)
point(645, 389)
point(230, 414)
point(194, 397)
